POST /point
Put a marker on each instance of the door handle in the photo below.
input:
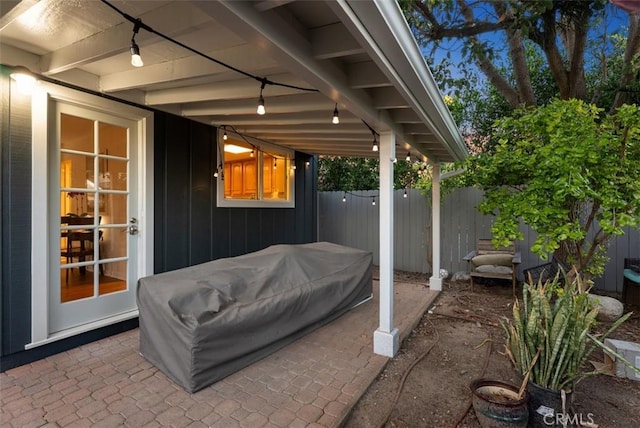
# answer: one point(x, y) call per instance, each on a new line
point(133, 228)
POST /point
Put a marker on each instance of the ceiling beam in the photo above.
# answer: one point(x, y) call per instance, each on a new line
point(280, 39)
point(234, 89)
point(10, 10)
point(366, 75)
point(283, 104)
point(117, 39)
point(278, 119)
point(333, 41)
point(342, 128)
point(243, 57)
point(388, 98)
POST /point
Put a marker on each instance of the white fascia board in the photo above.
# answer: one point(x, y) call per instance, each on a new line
point(394, 48)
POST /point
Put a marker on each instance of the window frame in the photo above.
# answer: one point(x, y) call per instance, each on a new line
point(261, 147)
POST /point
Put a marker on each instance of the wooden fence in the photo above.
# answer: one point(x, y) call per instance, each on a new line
point(355, 223)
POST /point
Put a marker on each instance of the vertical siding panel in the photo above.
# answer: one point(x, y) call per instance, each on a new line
point(202, 142)
point(15, 265)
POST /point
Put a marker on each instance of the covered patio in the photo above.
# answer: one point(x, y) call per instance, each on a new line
point(313, 382)
point(214, 62)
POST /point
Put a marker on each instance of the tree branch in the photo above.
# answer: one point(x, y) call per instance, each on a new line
point(487, 67)
point(632, 49)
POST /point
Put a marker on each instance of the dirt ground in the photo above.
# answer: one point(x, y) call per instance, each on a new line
point(460, 339)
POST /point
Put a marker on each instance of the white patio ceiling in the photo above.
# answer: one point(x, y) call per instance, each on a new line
point(358, 54)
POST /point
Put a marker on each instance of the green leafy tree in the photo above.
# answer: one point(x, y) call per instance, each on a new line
point(563, 169)
point(340, 173)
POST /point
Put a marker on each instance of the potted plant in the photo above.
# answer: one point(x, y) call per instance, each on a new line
point(549, 340)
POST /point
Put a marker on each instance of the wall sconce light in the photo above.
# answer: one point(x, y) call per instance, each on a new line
point(25, 81)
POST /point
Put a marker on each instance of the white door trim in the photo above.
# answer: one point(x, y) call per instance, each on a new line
point(43, 98)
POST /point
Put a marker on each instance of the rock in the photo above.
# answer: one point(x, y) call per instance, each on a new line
point(610, 308)
point(460, 276)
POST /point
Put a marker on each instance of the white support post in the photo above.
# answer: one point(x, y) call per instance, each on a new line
point(386, 337)
point(435, 282)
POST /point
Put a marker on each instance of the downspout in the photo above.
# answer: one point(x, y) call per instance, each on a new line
point(435, 282)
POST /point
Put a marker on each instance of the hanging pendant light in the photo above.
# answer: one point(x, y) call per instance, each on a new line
point(336, 116)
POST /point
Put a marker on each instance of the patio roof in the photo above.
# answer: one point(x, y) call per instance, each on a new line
point(359, 55)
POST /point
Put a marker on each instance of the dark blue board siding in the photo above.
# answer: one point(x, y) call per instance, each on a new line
point(190, 229)
point(15, 265)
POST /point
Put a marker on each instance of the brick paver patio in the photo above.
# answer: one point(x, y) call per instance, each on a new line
point(313, 382)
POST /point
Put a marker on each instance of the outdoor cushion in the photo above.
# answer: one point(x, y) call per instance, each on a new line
point(492, 259)
point(494, 269)
point(632, 275)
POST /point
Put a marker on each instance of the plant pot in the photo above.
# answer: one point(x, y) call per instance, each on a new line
point(497, 404)
point(545, 406)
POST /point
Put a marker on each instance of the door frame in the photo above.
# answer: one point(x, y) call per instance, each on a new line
point(43, 102)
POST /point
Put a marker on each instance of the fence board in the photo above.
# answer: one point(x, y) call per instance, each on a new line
point(355, 223)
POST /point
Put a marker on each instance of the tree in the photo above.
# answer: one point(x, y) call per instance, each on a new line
point(565, 169)
point(338, 173)
point(559, 29)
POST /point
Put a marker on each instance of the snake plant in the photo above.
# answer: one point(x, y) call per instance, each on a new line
point(555, 318)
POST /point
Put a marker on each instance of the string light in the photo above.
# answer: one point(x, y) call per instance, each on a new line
point(275, 163)
point(218, 172)
point(408, 159)
point(344, 197)
point(373, 202)
point(375, 144)
point(135, 50)
point(336, 117)
point(136, 59)
point(225, 136)
point(261, 111)
point(307, 163)
point(252, 153)
point(405, 193)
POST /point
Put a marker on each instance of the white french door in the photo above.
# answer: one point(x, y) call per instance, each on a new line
point(93, 219)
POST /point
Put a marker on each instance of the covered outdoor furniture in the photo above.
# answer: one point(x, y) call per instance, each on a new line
point(486, 261)
point(202, 323)
point(631, 282)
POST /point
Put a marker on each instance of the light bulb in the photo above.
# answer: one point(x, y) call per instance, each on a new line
point(251, 153)
point(408, 159)
point(224, 136)
point(375, 146)
point(344, 197)
point(261, 109)
point(25, 82)
point(336, 117)
point(136, 59)
point(405, 193)
point(373, 202)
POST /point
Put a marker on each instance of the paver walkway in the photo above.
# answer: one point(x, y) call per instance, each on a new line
point(313, 382)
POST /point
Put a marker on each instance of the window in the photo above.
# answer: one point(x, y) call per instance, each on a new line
point(254, 175)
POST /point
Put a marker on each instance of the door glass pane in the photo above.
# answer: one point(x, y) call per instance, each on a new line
point(76, 133)
point(93, 193)
point(111, 138)
point(113, 278)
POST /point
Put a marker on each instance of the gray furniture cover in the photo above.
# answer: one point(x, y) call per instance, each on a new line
point(202, 323)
